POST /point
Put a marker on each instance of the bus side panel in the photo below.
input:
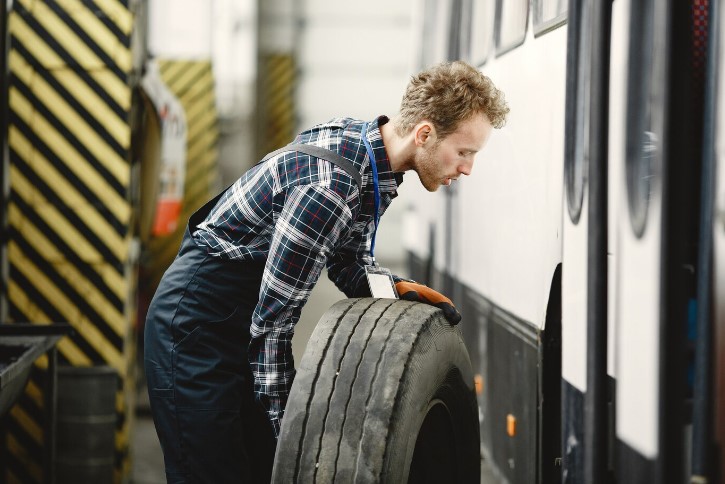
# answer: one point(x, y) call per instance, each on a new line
point(508, 241)
point(507, 360)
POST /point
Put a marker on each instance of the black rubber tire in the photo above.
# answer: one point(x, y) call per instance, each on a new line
point(384, 393)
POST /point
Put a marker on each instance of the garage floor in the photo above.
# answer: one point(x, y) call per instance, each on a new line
point(147, 460)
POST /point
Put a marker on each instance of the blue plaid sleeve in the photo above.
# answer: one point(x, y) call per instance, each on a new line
point(346, 268)
point(309, 223)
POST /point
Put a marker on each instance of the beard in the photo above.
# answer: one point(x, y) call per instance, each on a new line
point(427, 169)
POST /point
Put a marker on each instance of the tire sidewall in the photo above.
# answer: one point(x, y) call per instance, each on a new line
point(438, 370)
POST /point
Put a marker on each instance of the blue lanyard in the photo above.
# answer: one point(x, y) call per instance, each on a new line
point(374, 166)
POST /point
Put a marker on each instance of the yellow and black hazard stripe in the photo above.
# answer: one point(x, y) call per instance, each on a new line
point(276, 102)
point(69, 214)
point(24, 435)
point(192, 82)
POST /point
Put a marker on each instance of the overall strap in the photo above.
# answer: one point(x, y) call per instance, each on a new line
point(323, 154)
point(312, 150)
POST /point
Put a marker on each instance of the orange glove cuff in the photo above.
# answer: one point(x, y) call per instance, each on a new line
point(424, 292)
point(412, 291)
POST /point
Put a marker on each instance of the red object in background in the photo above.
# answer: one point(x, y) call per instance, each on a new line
point(167, 217)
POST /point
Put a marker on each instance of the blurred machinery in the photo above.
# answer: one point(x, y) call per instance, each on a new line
point(69, 244)
point(121, 118)
point(96, 182)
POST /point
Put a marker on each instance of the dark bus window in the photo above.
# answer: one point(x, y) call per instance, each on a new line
point(482, 22)
point(548, 15)
point(512, 16)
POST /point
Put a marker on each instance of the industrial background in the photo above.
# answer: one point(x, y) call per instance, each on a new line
point(120, 118)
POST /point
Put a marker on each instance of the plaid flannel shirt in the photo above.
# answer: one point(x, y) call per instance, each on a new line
point(298, 213)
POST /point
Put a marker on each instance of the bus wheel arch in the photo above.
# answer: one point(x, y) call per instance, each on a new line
point(550, 385)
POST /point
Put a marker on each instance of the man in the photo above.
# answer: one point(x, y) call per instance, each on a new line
point(219, 329)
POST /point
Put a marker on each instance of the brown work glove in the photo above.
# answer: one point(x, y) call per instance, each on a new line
point(412, 291)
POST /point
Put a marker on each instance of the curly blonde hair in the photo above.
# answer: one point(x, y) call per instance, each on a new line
point(447, 94)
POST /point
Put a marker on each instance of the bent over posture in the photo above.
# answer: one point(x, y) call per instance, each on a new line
point(218, 334)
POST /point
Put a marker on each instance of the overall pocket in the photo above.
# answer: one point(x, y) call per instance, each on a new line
point(211, 370)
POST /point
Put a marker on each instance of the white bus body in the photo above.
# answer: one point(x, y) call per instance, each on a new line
point(515, 243)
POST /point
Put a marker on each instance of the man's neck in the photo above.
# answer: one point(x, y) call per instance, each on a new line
point(400, 150)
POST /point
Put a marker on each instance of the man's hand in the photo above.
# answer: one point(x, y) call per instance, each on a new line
point(411, 291)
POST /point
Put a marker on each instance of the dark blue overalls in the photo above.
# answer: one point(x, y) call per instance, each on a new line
point(199, 380)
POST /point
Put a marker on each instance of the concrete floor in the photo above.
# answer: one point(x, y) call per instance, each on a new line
point(147, 460)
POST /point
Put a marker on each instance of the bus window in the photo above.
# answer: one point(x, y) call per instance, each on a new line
point(482, 22)
point(548, 15)
point(512, 16)
point(645, 113)
point(456, 31)
point(576, 159)
point(436, 33)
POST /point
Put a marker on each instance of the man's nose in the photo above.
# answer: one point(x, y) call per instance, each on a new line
point(465, 168)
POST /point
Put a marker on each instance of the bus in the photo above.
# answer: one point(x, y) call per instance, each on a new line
point(585, 251)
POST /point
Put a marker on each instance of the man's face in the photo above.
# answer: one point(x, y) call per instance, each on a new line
point(440, 162)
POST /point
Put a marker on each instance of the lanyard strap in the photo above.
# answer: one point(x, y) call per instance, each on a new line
point(374, 166)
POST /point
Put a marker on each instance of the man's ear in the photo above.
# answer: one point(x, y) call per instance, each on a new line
point(424, 133)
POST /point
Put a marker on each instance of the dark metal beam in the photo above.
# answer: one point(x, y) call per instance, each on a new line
point(596, 448)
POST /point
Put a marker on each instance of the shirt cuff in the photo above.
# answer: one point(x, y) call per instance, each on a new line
point(397, 279)
point(274, 406)
point(275, 418)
